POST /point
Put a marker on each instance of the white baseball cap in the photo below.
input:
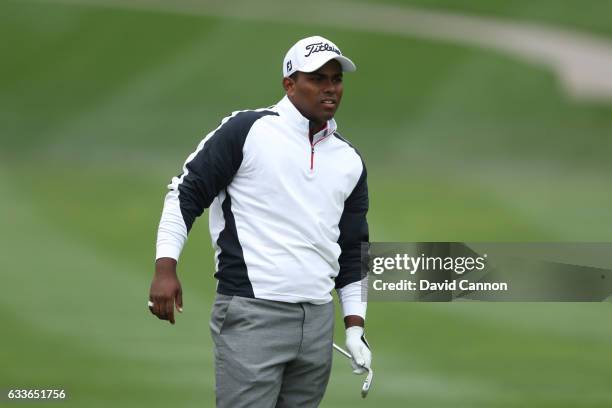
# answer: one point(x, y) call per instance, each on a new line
point(311, 53)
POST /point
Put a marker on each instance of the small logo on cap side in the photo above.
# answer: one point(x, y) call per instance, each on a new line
point(320, 46)
point(289, 66)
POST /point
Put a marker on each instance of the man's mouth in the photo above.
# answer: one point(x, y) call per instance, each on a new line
point(328, 102)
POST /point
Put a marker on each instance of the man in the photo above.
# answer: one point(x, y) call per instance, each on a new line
point(288, 200)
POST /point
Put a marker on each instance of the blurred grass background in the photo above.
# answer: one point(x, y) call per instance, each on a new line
point(100, 106)
point(587, 15)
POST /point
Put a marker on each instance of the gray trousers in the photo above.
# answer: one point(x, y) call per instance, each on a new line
point(271, 354)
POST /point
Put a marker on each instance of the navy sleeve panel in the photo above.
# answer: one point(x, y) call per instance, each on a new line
point(353, 231)
point(214, 166)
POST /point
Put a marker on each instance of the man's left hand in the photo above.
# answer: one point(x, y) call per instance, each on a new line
point(359, 349)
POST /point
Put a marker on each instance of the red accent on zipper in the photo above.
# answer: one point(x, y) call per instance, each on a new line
point(312, 145)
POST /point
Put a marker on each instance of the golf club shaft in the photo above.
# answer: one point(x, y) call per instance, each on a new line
point(343, 351)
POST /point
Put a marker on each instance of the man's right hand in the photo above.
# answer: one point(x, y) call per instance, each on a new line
point(165, 292)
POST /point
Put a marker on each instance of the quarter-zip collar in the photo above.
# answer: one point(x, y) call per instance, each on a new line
point(301, 124)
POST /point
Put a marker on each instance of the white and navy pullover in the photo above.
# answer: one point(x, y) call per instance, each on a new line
point(287, 212)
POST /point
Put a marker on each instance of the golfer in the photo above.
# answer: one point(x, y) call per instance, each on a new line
point(287, 199)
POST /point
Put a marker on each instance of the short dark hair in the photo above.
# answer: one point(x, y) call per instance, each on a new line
point(294, 75)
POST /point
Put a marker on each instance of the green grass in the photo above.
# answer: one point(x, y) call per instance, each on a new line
point(98, 109)
point(588, 16)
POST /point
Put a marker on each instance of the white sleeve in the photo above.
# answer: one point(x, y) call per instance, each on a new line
point(353, 298)
point(172, 231)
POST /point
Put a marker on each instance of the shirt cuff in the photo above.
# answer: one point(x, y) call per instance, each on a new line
point(167, 251)
point(351, 299)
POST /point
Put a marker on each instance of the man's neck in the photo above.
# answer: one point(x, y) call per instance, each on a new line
point(313, 127)
point(316, 127)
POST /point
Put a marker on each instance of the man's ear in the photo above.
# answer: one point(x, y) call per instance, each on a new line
point(289, 85)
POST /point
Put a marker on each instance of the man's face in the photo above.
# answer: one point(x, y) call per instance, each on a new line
point(317, 94)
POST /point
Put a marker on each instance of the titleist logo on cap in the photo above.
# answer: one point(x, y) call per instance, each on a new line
point(320, 46)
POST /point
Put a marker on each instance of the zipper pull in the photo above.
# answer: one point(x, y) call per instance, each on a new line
point(311, 157)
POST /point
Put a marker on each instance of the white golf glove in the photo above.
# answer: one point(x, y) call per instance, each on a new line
point(359, 348)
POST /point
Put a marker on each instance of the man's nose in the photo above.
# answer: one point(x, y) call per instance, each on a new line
point(329, 86)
